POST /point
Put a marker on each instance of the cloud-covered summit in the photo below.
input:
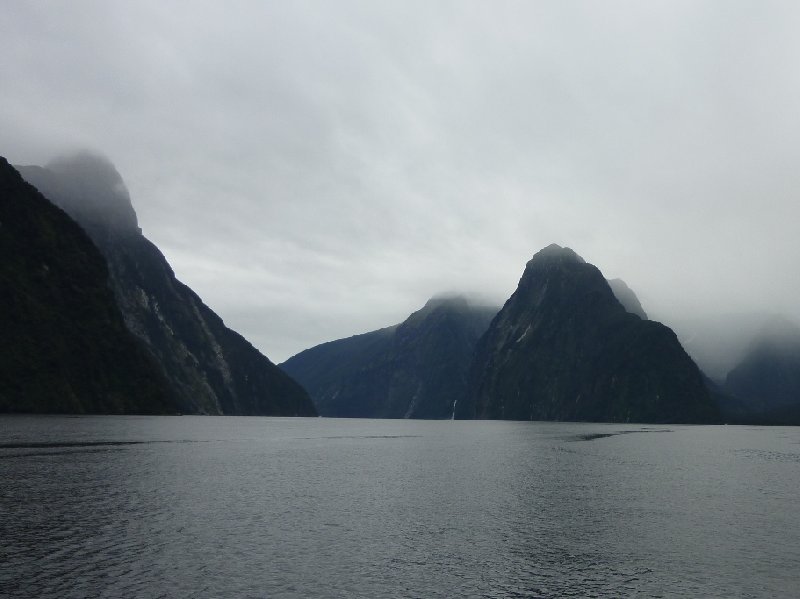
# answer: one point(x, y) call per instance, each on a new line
point(333, 165)
point(88, 186)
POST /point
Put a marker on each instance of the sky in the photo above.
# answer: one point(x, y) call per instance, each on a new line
point(319, 169)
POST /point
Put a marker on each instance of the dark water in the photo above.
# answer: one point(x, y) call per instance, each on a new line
point(263, 507)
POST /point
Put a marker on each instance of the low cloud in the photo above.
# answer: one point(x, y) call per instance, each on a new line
point(317, 169)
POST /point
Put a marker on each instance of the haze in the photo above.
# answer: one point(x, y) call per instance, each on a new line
point(319, 169)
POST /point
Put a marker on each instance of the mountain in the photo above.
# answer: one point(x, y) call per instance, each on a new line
point(718, 342)
point(767, 379)
point(564, 348)
point(210, 368)
point(417, 369)
point(64, 346)
point(627, 297)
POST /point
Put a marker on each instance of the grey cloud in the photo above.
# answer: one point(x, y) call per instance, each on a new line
point(336, 164)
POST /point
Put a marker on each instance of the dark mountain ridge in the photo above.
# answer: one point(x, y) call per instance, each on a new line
point(564, 348)
point(64, 346)
point(210, 368)
point(767, 379)
point(627, 297)
point(718, 342)
point(417, 369)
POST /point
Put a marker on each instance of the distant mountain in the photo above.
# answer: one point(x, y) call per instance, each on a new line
point(417, 369)
point(767, 380)
point(564, 348)
point(64, 347)
point(627, 297)
point(718, 342)
point(210, 368)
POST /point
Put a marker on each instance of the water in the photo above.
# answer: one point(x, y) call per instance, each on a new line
point(267, 507)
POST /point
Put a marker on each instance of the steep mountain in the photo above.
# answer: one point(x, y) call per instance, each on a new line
point(64, 347)
point(767, 379)
point(417, 369)
point(627, 297)
point(564, 348)
point(211, 369)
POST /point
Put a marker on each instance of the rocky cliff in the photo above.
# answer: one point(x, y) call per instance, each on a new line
point(64, 347)
point(210, 368)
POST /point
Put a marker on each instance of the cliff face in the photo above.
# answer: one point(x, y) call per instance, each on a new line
point(417, 369)
point(564, 348)
point(64, 346)
point(210, 368)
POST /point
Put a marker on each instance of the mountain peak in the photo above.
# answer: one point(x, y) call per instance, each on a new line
point(89, 188)
point(454, 300)
point(564, 348)
point(555, 253)
point(415, 370)
point(210, 368)
point(64, 346)
point(768, 377)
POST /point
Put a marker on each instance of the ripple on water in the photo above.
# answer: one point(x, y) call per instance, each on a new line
point(324, 508)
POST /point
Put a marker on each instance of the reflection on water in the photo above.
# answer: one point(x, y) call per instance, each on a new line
point(263, 507)
point(593, 436)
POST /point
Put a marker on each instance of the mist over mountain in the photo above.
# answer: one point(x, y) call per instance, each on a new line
point(627, 297)
point(718, 342)
point(64, 346)
point(564, 348)
point(210, 368)
point(567, 345)
point(767, 379)
point(417, 369)
point(660, 137)
point(90, 189)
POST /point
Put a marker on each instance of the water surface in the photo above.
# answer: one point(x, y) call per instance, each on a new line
point(271, 507)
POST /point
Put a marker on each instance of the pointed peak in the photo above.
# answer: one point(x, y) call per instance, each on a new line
point(555, 252)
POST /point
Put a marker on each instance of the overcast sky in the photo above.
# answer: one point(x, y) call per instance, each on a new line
point(319, 169)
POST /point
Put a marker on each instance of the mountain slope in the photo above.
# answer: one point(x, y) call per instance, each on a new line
point(767, 379)
point(718, 342)
point(417, 369)
point(627, 297)
point(564, 348)
point(211, 369)
point(64, 346)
